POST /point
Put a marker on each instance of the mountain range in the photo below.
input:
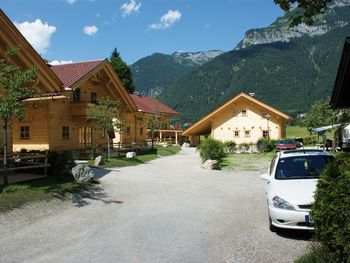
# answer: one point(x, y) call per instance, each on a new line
point(288, 68)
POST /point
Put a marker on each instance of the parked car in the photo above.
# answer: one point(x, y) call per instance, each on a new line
point(286, 144)
point(290, 185)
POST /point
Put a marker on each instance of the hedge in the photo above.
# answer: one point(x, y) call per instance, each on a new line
point(331, 210)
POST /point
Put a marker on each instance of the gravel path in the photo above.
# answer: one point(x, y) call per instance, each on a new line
point(169, 210)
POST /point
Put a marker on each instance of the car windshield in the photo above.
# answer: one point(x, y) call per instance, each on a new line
point(301, 167)
point(286, 142)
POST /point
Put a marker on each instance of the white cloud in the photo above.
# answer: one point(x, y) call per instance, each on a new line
point(90, 30)
point(167, 20)
point(37, 33)
point(60, 62)
point(71, 1)
point(129, 8)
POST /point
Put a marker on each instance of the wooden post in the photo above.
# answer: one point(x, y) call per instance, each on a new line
point(176, 142)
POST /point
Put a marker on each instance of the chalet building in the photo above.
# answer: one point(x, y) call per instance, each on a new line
point(243, 119)
point(149, 108)
point(85, 83)
point(58, 119)
point(27, 57)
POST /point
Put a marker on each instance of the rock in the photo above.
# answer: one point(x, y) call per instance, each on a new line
point(186, 145)
point(211, 164)
point(131, 155)
point(83, 174)
point(98, 160)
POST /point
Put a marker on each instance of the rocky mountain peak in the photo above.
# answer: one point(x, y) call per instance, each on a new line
point(279, 31)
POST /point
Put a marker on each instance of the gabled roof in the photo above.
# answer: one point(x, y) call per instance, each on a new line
point(27, 56)
point(71, 73)
point(152, 106)
point(75, 74)
point(204, 124)
point(341, 90)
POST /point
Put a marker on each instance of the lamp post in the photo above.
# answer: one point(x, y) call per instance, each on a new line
point(267, 117)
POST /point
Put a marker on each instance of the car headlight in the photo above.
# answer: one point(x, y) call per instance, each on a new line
point(281, 203)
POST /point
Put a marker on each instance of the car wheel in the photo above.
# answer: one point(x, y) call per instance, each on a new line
point(272, 227)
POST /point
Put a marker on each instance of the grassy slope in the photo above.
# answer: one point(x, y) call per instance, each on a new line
point(15, 195)
point(140, 159)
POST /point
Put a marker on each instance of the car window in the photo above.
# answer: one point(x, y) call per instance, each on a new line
point(301, 167)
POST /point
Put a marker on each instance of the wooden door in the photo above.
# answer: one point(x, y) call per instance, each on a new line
point(85, 136)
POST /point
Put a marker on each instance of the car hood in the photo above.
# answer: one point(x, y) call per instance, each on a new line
point(298, 192)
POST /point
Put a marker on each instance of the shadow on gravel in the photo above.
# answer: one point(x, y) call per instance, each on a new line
point(295, 234)
point(100, 172)
point(85, 194)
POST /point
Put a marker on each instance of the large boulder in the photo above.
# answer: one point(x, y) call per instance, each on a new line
point(211, 165)
point(98, 160)
point(131, 155)
point(83, 174)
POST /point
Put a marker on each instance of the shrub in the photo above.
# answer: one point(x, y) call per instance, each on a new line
point(59, 162)
point(309, 140)
point(266, 145)
point(244, 147)
point(331, 210)
point(211, 149)
point(229, 146)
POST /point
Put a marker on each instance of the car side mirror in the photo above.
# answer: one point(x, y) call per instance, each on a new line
point(265, 177)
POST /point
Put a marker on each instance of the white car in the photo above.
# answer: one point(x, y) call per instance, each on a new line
point(290, 185)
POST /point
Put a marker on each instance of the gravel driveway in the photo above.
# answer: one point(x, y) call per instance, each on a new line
point(169, 210)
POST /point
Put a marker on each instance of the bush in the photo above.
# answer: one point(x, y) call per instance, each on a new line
point(211, 149)
point(229, 146)
point(309, 140)
point(60, 162)
point(266, 145)
point(331, 210)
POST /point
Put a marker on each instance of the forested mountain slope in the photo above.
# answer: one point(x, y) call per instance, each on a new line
point(288, 69)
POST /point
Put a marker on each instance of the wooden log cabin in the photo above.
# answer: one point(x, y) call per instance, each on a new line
point(27, 57)
point(58, 119)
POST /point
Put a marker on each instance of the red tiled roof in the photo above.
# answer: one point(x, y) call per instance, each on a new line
point(151, 105)
point(71, 73)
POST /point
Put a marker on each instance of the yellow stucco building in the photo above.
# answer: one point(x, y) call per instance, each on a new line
point(243, 119)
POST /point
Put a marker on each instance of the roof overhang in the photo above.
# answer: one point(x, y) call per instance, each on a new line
point(27, 57)
point(341, 90)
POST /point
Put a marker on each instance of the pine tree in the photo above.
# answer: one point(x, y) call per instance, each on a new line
point(123, 70)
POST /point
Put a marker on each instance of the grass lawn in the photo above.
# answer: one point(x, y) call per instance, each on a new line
point(140, 159)
point(15, 195)
point(246, 162)
point(297, 132)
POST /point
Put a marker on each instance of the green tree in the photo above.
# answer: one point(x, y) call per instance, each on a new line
point(110, 115)
point(13, 84)
point(306, 11)
point(321, 114)
point(123, 70)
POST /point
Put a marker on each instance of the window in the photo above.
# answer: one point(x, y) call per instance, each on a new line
point(93, 97)
point(76, 95)
point(24, 132)
point(141, 131)
point(244, 113)
point(127, 130)
point(246, 133)
point(65, 132)
point(236, 133)
point(266, 134)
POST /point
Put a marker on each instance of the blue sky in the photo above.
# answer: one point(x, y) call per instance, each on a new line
point(81, 30)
